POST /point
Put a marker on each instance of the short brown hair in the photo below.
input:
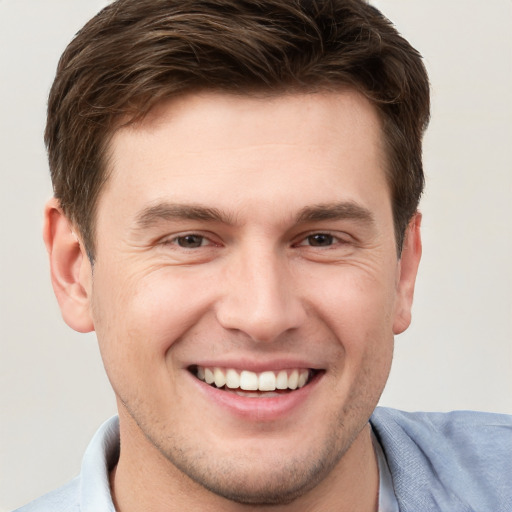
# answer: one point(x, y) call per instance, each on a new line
point(135, 53)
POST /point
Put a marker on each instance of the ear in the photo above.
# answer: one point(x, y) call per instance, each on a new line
point(407, 271)
point(71, 271)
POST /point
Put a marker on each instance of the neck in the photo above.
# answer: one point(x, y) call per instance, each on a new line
point(145, 480)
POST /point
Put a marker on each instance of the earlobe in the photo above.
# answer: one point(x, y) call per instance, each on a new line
point(408, 269)
point(70, 268)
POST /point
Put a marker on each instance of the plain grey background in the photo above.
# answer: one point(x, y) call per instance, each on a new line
point(456, 355)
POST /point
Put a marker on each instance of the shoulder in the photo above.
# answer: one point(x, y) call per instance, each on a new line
point(449, 425)
point(63, 499)
point(466, 431)
point(461, 457)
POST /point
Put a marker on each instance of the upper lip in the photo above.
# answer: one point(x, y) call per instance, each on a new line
point(257, 366)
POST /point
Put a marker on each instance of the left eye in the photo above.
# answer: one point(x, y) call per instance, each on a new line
point(319, 240)
point(190, 241)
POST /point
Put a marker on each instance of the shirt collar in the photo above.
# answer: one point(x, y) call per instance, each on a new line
point(100, 457)
point(387, 498)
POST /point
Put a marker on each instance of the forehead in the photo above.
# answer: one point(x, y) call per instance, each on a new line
point(282, 118)
point(240, 151)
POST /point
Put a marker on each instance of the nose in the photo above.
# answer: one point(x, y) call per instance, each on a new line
point(260, 296)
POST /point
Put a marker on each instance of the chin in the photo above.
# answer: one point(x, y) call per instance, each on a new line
point(282, 484)
point(266, 475)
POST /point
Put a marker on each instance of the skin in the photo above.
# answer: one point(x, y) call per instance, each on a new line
point(297, 267)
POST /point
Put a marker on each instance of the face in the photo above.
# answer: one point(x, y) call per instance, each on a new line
point(246, 287)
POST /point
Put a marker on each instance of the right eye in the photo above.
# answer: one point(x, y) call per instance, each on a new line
point(191, 241)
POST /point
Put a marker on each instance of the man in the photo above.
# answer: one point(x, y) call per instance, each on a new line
point(235, 215)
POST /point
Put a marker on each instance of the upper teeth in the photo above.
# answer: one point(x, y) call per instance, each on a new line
point(251, 381)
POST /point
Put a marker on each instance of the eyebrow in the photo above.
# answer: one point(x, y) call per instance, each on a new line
point(170, 211)
point(335, 211)
point(151, 215)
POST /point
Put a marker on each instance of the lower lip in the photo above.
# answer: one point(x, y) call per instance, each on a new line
point(258, 409)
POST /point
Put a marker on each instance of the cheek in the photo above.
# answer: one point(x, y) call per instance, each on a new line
point(357, 302)
point(134, 328)
point(358, 307)
point(150, 310)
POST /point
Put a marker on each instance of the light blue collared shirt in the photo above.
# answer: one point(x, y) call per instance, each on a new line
point(428, 462)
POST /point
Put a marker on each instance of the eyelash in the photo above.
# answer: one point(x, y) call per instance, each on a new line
point(205, 241)
point(333, 239)
point(176, 240)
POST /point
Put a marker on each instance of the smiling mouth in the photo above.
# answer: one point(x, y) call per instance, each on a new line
point(252, 384)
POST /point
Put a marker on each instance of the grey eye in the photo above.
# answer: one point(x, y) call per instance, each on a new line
point(190, 241)
point(320, 240)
